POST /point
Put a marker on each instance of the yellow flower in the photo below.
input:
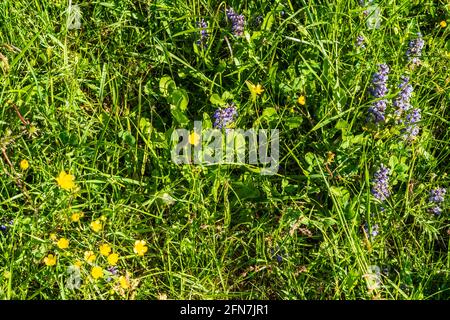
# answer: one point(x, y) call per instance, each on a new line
point(89, 256)
point(77, 216)
point(53, 236)
point(194, 138)
point(97, 272)
point(24, 165)
point(140, 248)
point(124, 282)
point(78, 264)
point(105, 249)
point(96, 225)
point(50, 260)
point(301, 100)
point(66, 181)
point(113, 258)
point(443, 24)
point(257, 89)
point(63, 243)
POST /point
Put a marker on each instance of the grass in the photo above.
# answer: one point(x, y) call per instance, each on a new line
point(100, 103)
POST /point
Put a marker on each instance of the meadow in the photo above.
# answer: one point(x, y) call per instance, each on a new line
point(93, 207)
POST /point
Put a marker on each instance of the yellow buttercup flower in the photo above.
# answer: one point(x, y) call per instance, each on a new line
point(53, 236)
point(24, 165)
point(96, 225)
point(63, 243)
point(89, 256)
point(140, 247)
point(113, 258)
point(443, 24)
point(96, 272)
point(256, 89)
point(50, 260)
point(105, 249)
point(124, 282)
point(78, 264)
point(194, 138)
point(77, 216)
point(66, 180)
point(301, 100)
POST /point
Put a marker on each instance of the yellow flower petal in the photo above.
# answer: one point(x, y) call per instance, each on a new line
point(301, 100)
point(194, 138)
point(113, 258)
point(63, 243)
point(96, 225)
point(89, 256)
point(66, 181)
point(50, 260)
point(24, 165)
point(96, 272)
point(105, 249)
point(140, 247)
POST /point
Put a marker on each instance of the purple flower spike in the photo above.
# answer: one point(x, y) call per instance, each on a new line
point(380, 189)
point(437, 197)
point(401, 102)
point(238, 22)
point(379, 90)
point(414, 51)
point(360, 41)
point(203, 33)
point(412, 129)
point(224, 116)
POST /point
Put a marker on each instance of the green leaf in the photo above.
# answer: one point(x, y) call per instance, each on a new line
point(294, 122)
point(207, 124)
point(269, 113)
point(180, 99)
point(127, 137)
point(166, 85)
point(268, 21)
point(216, 100)
point(179, 116)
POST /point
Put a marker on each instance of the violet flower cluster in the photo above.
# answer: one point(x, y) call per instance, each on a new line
point(414, 51)
point(203, 33)
point(374, 230)
point(411, 131)
point(224, 116)
point(437, 197)
point(379, 90)
point(360, 41)
point(237, 20)
point(380, 189)
point(402, 101)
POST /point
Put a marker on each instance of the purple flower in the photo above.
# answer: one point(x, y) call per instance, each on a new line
point(401, 102)
point(374, 230)
point(224, 116)
point(411, 131)
point(113, 271)
point(380, 189)
point(3, 228)
point(203, 33)
point(238, 22)
point(437, 195)
point(360, 41)
point(414, 51)
point(379, 90)
point(436, 210)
